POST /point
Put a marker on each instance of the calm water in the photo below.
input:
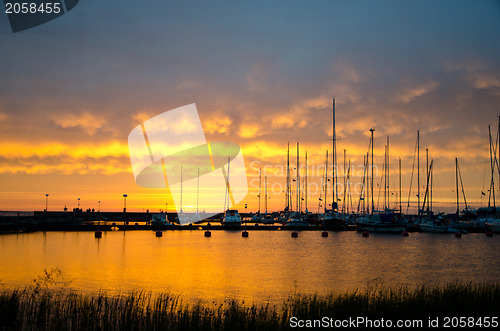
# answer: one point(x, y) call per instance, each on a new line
point(267, 266)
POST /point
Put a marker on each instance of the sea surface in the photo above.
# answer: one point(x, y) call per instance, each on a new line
point(268, 266)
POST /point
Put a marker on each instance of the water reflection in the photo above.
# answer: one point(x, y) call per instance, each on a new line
point(267, 266)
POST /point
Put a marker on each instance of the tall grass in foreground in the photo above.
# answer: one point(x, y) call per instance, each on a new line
point(52, 309)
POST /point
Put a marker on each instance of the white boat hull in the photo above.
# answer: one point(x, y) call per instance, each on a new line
point(296, 222)
point(495, 227)
point(381, 228)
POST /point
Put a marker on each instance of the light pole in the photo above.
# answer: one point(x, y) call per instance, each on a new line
point(78, 203)
point(46, 202)
point(166, 208)
point(99, 206)
point(125, 203)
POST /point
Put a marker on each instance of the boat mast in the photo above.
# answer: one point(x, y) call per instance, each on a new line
point(348, 191)
point(198, 192)
point(326, 181)
point(385, 178)
point(456, 182)
point(388, 177)
point(343, 170)
point(463, 190)
point(298, 180)
point(418, 173)
point(400, 209)
point(365, 182)
point(427, 192)
point(366, 203)
point(373, 203)
point(432, 179)
point(288, 202)
point(306, 183)
point(498, 149)
point(260, 186)
point(265, 188)
point(334, 159)
point(181, 188)
point(492, 183)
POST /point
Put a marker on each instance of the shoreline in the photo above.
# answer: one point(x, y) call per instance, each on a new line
point(46, 308)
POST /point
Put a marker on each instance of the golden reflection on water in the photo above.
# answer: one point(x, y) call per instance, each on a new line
point(267, 266)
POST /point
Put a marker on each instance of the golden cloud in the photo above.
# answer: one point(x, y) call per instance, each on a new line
point(86, 121)
point(107, 158)
point(218, 123)
point(250, 130)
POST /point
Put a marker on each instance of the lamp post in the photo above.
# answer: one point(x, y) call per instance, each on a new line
point(46, 202)
point(125, 203)
point(99, 206)
point(78, 203)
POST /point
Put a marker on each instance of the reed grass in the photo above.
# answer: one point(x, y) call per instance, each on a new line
point(46, 308)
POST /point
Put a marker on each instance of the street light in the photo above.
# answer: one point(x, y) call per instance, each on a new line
point(46, 201)
point(99, 205)
point(78, 203)
point(125, 203)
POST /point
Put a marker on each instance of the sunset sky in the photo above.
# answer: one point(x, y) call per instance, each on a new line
point(262, 74)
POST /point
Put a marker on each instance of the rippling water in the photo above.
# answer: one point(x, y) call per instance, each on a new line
point(267, 266)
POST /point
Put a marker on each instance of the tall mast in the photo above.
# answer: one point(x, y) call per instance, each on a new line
point(298, 180)
point(385, 177)
point(388, 177)
point(456, 180)
point(181, 188)
point(198, 192)
point(326, 181)
point(365, 160)
point(344, 197)
point(432, 178)
point(373, 204)
point(418, 173)
point(260, 186)
point(366, 203)
point(227, 188)
point(334, 159)
point(348, 184)
point(306, 184)
point(288, 202)
point(492, 183)
point(400, 209)
point(427, 162)
point(498, 150)
point(265, 188)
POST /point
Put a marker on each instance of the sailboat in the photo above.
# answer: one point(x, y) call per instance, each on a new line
point(295, 219)
point(439, 224)
point(380, 221)
point(267, 218)
point(492, 222)
point(231, 217)
point(198, 216)
point(160, 219)
point(257, 217)
point(331, 217)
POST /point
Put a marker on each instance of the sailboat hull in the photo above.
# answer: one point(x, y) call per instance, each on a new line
point(493, 226)
point(381, 227)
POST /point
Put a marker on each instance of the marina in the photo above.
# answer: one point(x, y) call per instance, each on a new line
point(263, 165)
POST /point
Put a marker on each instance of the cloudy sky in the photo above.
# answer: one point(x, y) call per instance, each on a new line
point(262, 74)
